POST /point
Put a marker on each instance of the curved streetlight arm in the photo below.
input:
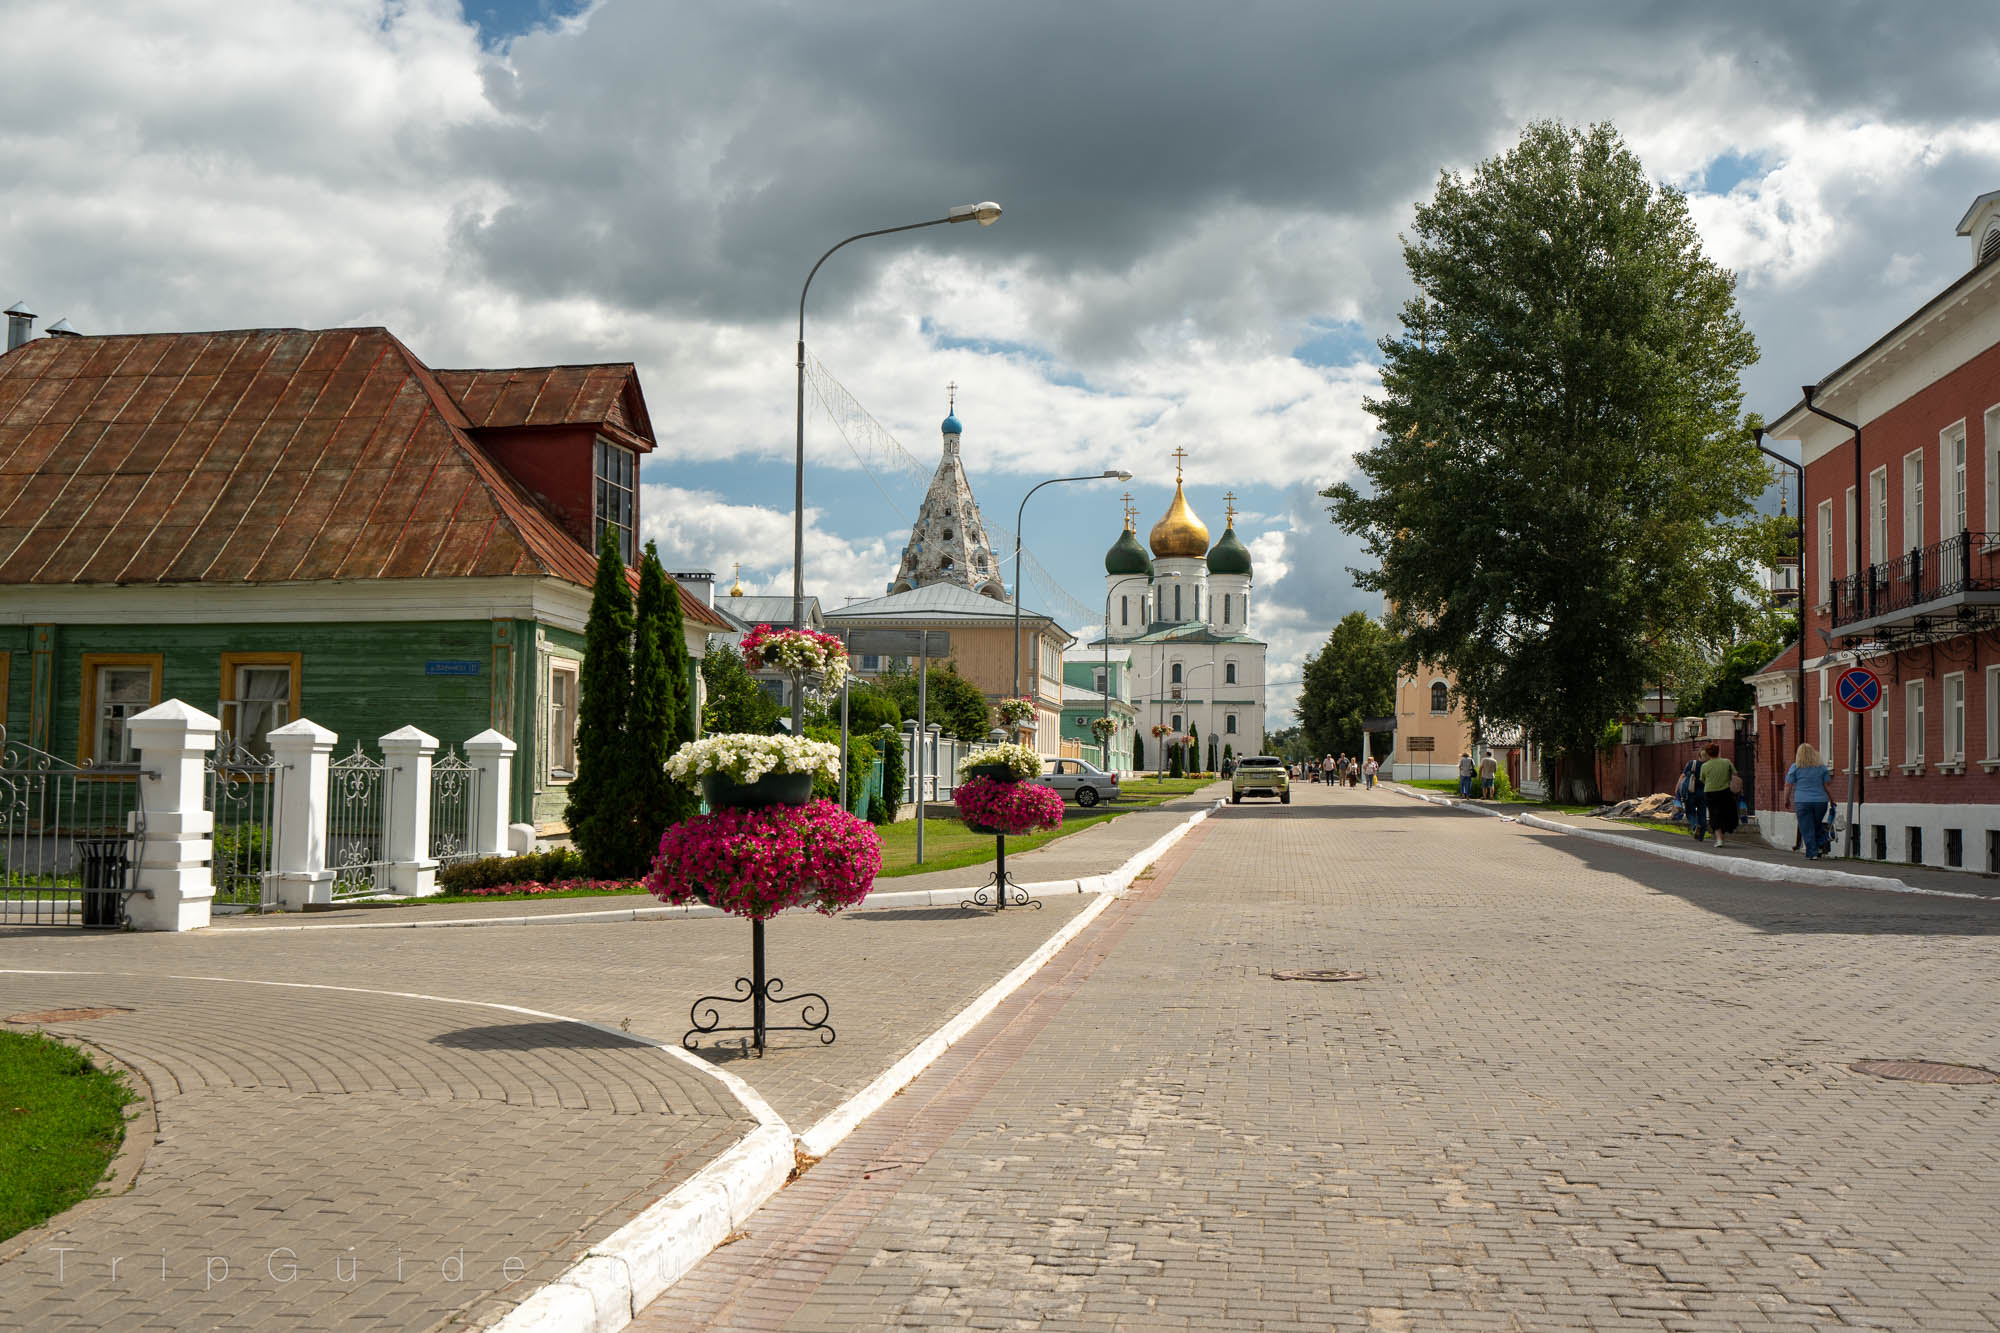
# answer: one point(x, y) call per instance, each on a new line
point(1106, 475)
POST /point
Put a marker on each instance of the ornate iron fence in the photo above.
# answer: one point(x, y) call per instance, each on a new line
point(357, 825)
point(243, 796)
point(70, 836)
point(454, 799)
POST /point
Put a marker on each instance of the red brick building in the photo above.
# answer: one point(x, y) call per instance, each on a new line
point(1902, 574)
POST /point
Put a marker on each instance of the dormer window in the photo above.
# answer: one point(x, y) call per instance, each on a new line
point(617, 496)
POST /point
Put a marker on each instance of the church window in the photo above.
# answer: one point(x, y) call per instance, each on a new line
point(1177, 673)
point(1439, 704)
point(1177, 601)
point(947, 534)
point(1124, 610)
point(1229, 673)
point(1229, 723)
point(1225, 608)
point(1177, 721)
point(1197, 602)
point(944, 565)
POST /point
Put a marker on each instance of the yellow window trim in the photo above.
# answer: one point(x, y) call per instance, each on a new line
point(231, 661)
point(86, 729)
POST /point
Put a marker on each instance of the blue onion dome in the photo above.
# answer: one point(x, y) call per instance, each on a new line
point(951, 426)
point(1126, 556)
point(1230, 555)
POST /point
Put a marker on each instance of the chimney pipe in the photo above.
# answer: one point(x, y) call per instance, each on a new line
point(20, 324)
point(61, 329)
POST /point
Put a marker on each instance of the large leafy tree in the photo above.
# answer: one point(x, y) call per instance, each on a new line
point(600, 810)
point(1561, 503)
point(951, 701)
point(1351, 677)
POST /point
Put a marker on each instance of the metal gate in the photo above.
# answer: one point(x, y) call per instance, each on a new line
point(454, 798)
point(1746, 762)
point(69, 838)
point(243, 795)
point(357, 825)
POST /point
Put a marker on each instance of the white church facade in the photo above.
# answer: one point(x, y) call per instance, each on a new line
point(1182, 613)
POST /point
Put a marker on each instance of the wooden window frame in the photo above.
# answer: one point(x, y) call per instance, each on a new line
point(86, 728)
point(231, 661)
point(628, 545)
point(572, 668)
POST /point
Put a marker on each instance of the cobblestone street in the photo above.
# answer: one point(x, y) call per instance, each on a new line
point(1576, 1088)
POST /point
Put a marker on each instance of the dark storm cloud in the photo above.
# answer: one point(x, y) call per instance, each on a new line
point(695, 158)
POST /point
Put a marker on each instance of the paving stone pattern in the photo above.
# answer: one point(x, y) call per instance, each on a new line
point(1579, 1088)
point(333, 1160)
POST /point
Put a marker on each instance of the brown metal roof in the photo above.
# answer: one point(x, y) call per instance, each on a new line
point(271, 456)
point(600, 395)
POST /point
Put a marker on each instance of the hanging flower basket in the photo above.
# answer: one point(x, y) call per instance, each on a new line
point(1014, 712)
point(744, 771)
point(809, 655)
point(1001, 763)
point(1162, 729)
point(756, 863)
point(1104, 728)
point(987, 806)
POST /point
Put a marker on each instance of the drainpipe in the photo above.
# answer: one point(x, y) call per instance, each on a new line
point(1860, 507)
point(1799, 471)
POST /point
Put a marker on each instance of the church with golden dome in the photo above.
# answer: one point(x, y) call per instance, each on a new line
point(1180, 608)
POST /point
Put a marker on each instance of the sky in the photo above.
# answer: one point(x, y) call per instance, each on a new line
point(1199, 248)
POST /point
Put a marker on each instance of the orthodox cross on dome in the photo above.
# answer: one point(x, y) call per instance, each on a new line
point(1179, 454)
point(951, 398)
point(736, 588)
point(1131, 510)
point(1229, 508)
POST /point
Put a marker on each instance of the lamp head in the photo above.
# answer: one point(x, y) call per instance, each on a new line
point(1116, 475)
point(985, 214)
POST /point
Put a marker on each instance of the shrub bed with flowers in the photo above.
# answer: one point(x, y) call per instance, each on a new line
point(1019, 761)
point(1012, 808)
point(530, 888)
point(802, 651)
point(756, 863)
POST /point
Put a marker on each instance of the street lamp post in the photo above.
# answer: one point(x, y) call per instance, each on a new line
point(1109, 592)
point(985, 215)
point(1799, 471)
point(1108, 474)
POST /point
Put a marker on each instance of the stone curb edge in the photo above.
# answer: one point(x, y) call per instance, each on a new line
point(1741, 869)
point(617, 1278)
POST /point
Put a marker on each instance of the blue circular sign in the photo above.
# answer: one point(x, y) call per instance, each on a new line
point(1858, 689)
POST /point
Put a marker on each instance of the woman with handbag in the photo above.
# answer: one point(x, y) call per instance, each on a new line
point(1805, 782)
point(1720, 784)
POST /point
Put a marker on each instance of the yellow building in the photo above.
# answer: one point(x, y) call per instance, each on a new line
point(1431, 727)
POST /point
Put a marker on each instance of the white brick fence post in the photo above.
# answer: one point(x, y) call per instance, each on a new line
point(412, 870)
point(493, 756)
point(301, 750)
point(172, 739)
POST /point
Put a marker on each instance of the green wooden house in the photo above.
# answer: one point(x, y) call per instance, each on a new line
point(285, 523)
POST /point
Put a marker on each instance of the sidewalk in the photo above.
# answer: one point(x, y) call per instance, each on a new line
point(1745, 846)
point(1097, 850)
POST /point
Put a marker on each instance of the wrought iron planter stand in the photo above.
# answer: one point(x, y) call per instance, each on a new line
point(759, 992)
point(1000, 887)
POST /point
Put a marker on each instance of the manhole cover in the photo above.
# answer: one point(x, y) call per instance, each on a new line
point(66, 1015)
point(1318, 974)
point(1925, 1071)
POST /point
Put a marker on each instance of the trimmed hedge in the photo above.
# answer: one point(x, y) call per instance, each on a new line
point(544, 867)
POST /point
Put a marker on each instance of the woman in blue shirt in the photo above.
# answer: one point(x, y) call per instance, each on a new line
point(1805, 783)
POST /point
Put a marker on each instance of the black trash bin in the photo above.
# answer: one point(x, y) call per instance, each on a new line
point(104, 863)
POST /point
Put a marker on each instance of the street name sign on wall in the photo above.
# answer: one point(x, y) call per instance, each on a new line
point(1858, 689)
point(452, 667)
point(1417, 743)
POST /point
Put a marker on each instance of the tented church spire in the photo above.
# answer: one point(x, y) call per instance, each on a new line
point(948, 542)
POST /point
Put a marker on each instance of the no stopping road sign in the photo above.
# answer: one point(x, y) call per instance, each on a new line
point(1858, 689)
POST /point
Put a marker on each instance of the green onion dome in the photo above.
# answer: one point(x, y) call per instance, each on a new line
point(1126, 556)
point(1229, 556)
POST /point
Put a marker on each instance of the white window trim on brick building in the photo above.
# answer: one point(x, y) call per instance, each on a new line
point(1913, 726)
point(1825, 570)
point(1951, 757)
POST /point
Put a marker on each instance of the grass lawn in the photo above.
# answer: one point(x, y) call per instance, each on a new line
point(64, 1118)
point(948, 844)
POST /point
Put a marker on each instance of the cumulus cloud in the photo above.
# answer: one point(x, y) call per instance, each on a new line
point(701, 529)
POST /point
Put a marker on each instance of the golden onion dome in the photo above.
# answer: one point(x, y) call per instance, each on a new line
point(1180, 534)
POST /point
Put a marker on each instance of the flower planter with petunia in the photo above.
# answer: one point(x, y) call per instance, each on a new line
point(816, 662)
point(764, 847)
point(993, 796)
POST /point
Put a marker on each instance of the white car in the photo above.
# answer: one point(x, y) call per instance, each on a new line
point(1079, 782)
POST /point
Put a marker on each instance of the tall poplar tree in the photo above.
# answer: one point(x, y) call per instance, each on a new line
point(1561, 501)
point(600, 810)
point(658, 722)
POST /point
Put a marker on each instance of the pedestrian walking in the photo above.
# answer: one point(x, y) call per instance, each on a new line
point(1720, 784)
point(1805, 783)
point(1369, 770)
point(1466, 770)
point(1688, 793)
point(1488, 766)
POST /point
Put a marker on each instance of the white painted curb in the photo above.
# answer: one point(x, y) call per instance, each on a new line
point(1719, 862)
point(622, 1275)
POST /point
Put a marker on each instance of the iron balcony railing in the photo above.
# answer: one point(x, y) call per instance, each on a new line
point(1921, 575)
